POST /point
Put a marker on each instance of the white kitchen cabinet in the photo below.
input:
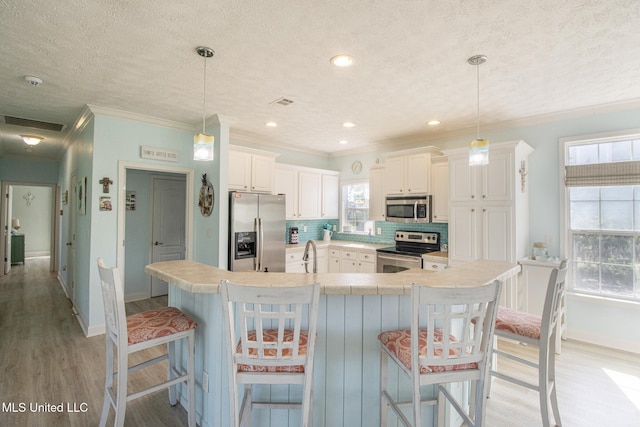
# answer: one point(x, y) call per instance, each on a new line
point(366, 261)
point(334, 264)
point(376, 193)
point(492, 182)
point(489, 209)
point(330, 195)
point(440, 189)
point(348, 261)
point(480, 232)
point(310, 193)
point(295, 264)
point(250, 171)
point(409, 171)
point(286, 182)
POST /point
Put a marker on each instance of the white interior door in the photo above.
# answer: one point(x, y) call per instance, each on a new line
point(7, 193)
point(167, 225)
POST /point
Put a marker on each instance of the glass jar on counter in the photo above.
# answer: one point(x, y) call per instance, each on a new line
point(539, 251)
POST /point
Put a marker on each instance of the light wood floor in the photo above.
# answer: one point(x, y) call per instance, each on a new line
point(45, 358)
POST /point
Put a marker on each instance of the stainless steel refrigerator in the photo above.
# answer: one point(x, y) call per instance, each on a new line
point(257, 230)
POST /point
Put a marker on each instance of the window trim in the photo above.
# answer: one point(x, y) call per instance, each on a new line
point(563, 160)
point(340, 214)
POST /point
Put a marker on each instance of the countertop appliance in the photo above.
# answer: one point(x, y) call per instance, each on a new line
point(408, 251)
point(413, 209)
point(257, 231)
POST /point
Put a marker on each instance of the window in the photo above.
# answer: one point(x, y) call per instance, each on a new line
point(354, 215)
point(603, 206)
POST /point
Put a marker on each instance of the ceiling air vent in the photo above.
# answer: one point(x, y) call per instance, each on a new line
point(282, 101)
point(17, 121)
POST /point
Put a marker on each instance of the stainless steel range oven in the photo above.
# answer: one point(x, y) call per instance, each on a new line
point(407, 253)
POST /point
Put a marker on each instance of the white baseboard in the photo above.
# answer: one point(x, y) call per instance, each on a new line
point(34, 254)
point(63, 284)
point(603, 341)
point(136, 296)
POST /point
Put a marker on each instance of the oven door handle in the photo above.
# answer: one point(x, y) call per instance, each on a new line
point(395, 257)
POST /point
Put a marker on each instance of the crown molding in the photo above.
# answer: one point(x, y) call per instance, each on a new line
point(127, 115)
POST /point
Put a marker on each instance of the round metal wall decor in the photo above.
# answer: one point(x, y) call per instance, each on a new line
point(206, 198)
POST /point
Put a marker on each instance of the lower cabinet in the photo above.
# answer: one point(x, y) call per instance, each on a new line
point(295, 264)
point(352, 260)
point(333, 260)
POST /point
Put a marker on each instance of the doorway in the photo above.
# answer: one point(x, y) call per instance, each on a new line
point(145, 192)
point(28, 219)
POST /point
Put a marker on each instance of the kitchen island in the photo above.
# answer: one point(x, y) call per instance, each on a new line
point(354, 309)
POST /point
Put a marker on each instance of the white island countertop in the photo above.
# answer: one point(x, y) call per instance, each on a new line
point(194, 277)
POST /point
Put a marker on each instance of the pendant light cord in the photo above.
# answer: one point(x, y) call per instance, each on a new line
point(204, 93)
point(478, 101)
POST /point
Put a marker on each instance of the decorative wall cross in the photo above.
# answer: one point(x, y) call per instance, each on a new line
point(105, 184)
point(523, 174)
point(29, 198)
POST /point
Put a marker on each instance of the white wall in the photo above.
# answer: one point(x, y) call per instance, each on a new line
point(35, 217)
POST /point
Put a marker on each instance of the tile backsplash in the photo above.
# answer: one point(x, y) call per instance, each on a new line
point(315, 230)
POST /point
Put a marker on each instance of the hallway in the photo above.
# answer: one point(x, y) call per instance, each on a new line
point(46, 360)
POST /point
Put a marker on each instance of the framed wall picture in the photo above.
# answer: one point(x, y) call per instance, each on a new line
point(81, 194)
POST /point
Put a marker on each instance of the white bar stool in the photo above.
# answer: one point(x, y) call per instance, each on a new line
point(272, 343)
point(137, 332)
point(444, 345)
point(539, 331)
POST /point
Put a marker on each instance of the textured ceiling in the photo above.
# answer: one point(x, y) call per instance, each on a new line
point(544, 57)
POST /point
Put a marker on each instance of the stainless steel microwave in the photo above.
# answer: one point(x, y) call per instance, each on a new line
point(408, 209)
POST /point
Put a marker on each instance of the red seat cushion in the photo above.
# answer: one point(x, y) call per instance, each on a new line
point(518, 322)
point(157, 323)
point(398, 342)
point(271, 335)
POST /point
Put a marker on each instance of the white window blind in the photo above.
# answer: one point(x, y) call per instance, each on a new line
point(603, 174)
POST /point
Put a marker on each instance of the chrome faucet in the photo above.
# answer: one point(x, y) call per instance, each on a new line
point(305, 256)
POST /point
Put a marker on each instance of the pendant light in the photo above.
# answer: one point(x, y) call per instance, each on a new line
point(479, 147)
point(202, 142)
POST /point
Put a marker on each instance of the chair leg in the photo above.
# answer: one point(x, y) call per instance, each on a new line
point(171, 352)
point(121, 393)
point(191, 382)
point(108, 382)
point(543, 381)
point(384, 406)
point(552, 381)
point(306, 402)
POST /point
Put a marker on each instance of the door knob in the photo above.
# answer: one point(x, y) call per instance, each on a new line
point(68, 243)
point(158, 243)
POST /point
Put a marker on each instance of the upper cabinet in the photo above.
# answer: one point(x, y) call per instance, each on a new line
point(330, 196)
point(440, 189)
point(409, 171)
point(251, 170)
point(311, 193)
point(376, 193)
point(492, 182)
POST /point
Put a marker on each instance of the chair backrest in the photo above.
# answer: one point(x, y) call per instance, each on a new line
point(277, 308)
point(115, 317)
point(553, 299)
point(460, 323)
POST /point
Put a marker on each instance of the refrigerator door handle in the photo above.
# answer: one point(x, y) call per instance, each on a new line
point(260, 249)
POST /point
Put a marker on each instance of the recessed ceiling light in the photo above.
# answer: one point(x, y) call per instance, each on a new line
point(349, 124)
point(433, 122)
point(344, 141)
point(271, 124)
point(342, 60)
